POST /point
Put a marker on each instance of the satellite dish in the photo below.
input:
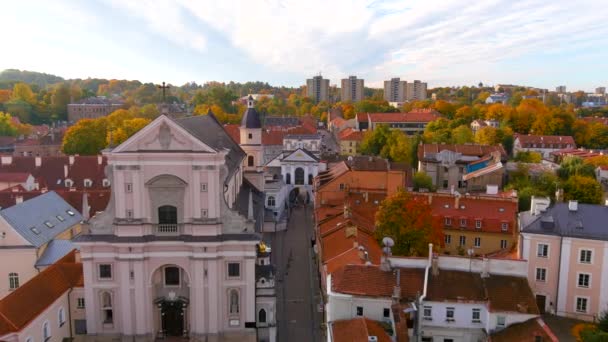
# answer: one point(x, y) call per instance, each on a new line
point(388, 242)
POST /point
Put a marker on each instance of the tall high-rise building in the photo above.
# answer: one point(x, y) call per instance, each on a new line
point(394, 90)
point(600, 90)
point(560, 89)
point(317, 88)
point(352, 89)
point(415, 91)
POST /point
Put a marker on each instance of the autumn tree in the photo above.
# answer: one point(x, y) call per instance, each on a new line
point(7, 128)
point(409, 222)
point(374, 141)
point(23, 92)
point(574, 166)
point(462, 135)
point(601, 160)
point(528, 157)
point(583, 189)
point(86, 137)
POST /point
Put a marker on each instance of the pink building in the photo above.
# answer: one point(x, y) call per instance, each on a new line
point(566, 246)
point(171, 255)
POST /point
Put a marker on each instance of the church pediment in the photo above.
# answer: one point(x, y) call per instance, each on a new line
point(300, 155)
point(163, 135)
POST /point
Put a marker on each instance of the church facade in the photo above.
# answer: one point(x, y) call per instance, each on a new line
point(175, 254)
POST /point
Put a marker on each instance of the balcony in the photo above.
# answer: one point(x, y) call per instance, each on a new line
point(168, 228)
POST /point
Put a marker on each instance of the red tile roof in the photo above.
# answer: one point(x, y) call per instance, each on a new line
point(414, 116)
point(558, 141)
point(362, 117)
point(490, 210)
point(14, 177)
point(23, 305)
point(233, 132)
point(371, 281)
point(358, 330)
point(527, 331)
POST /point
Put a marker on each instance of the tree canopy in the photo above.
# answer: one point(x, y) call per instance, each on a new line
point(408, 221)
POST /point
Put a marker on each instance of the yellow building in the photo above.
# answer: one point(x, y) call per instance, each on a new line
point(350, 141)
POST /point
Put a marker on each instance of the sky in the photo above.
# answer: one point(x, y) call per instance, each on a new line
point(284, 42)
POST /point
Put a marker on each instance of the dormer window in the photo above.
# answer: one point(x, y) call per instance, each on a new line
point(70, 212)
point(60, 218)
point(35, 230)
point(69, 183)
point(88, 183)
point(49, 224)
point(105, 182)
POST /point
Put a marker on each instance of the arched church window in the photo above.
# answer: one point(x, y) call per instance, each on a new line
point(106, 308)
point(262, 316)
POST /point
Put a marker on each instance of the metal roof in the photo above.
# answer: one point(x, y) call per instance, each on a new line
point(41, 218)
point(55, 250)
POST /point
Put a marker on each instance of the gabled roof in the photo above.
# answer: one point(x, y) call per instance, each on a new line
point(559, 140)
point(208, 130)
point(14, 177)
point(428, 151)
point(39, 219)
point(371, 281)
point(20, 307)
point(358, 330)
point(527, 331)
point(587, 222)
point(298, 153)
point(351, 135)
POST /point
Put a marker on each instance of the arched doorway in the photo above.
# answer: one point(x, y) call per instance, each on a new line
point(171, 298)
point(262, 316)
point(299, 176)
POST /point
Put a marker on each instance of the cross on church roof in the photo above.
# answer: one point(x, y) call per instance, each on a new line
point(164, 89)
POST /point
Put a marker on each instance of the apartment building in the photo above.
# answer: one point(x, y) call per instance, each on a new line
point(543, 144)
point(352, 89)
point(317, 88)
point(566, 245)
point(93, 107)
point(399, 91)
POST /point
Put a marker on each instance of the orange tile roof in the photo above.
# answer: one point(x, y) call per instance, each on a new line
point(371, 281)
point(27, 302)
point(527, 331)
point(358, 330)
point(233, 132)
point(491, 211)
point(351, 135)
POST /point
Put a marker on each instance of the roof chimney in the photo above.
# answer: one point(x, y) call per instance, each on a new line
point(71, 159)
point(18, 199)
point(456, 201)
point(347, 213)
point(397, 287)
point(435, 266)
point(573, 205)
point(38, 161)
point(65, 170)
point(99, 160)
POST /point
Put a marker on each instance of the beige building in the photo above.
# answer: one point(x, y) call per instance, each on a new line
point(415, 91)
point(317, 88)
point(92, 108)
point(352, 89)
point(396, 90)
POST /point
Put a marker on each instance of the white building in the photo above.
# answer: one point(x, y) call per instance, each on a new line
point(461, 299)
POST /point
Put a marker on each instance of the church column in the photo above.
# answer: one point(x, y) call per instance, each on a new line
point(292, 170)
point(195, 206)
point(125, 298)
point(305, 174)
point(197, 300)
point(215, 312)
point(141, 283)
point(119, 183)
point(137, 194)
point(249, 303)
point(91, 308)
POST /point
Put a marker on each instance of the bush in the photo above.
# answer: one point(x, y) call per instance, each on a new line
point(422, 181)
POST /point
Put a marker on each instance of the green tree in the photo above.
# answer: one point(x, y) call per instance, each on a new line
point(374, 141)
point(59, 101)
point(409, 221)
point(583, 189)
point(528, 157)
point(7, 128)
point(462, 135)
point(422, 181)
point(398, 147)
point(575, 166)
